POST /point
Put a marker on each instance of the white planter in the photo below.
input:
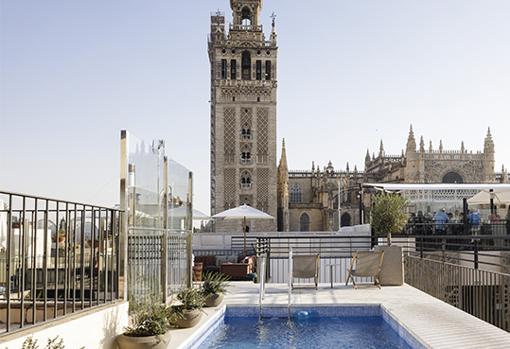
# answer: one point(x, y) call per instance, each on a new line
point(392, 271)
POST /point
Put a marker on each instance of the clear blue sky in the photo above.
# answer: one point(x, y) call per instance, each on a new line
point(73, 73)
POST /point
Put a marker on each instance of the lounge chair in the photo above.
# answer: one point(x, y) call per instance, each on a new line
point(306, 267)
point(366, 264)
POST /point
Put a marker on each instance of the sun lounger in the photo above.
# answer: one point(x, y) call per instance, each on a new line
point(365, 264)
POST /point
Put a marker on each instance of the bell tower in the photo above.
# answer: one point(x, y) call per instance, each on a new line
point(243, 114)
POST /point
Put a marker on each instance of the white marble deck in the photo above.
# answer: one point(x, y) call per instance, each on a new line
point(435, 323)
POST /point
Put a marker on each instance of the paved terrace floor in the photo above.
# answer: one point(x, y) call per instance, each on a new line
point(435, 323)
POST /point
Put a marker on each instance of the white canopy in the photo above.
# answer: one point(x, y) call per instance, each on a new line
point(501, 197)
point(181, 212)
point(243, 212)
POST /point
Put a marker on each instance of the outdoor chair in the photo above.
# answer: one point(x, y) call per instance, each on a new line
point(366, 264)
point(306, 267)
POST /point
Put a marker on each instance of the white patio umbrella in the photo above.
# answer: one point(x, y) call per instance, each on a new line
point(243, 212)
point(182, 212)
point(501, 197)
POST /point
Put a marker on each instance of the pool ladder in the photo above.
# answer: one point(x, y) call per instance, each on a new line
point(262, 281)
point(290, 280)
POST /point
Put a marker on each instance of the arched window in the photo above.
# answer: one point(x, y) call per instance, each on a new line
point(295, 194)
point(246, 155)
point(246, 132)
point(246, 180)
point(453, 178)
point(304, 222)
point(346, 220)
point(246, 65)
point(246, 17)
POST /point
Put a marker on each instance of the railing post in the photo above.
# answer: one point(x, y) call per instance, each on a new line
point(164, 236)
point(421, 246)
point(189, 239)
point(443, 249)
point(123, 233)
point(475, 252)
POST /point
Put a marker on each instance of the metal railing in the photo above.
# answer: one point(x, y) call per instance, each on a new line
point(57, 257)
point(481, 293)
point(153, 270)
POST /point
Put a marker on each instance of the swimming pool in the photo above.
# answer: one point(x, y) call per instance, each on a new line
point(308, 327)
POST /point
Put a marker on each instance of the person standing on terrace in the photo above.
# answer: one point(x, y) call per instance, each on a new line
point(440, 220)
point(474, 221)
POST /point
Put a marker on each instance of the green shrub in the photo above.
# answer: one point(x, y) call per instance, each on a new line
point(388, 214)
point(150, 319)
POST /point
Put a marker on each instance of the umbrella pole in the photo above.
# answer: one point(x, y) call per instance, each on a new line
point(244, 236)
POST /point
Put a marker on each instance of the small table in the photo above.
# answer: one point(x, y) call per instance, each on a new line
point(331, 266)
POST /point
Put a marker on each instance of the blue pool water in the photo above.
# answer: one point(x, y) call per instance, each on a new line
point(304, 330)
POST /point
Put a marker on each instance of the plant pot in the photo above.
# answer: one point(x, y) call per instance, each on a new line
point(213, 300)
point(190, 318)
point(392, 270)
point(152, 342)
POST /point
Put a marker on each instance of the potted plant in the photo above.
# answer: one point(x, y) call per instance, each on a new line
point(214, 287)
point(149, 329)
point(388, 215)
point(188, 312)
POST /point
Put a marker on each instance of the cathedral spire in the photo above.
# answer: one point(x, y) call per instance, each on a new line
point(462, 148)
point(422, 145)
point(431, 148)
point(489, 143)
point(381, 149)
point(440, 145)
point(347, 168)
point(367, 157)
point(411, 141)
point(283, 158)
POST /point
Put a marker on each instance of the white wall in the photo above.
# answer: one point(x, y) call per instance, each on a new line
point(94, 329)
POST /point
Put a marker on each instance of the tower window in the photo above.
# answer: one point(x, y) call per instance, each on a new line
point(268, 70)
point(246, 17)
point(245, 157)
point(258, 69)
point(223, 69)
point(246, 132)
point(246, 180)
point(246, 65)
point(233, 69)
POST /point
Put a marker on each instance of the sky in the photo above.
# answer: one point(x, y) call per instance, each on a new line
point(350, 73)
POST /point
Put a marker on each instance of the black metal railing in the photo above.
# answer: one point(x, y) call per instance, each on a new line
point(56, 257)
point(154, 272)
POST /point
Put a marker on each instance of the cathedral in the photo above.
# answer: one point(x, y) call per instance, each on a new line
point(308, 200)
point(243, 143)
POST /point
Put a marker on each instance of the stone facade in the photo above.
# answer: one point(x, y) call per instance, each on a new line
point(243, 115)
point(420, 165)
point(312, 196)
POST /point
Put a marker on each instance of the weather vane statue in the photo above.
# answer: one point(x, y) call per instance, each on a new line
point(273, 17)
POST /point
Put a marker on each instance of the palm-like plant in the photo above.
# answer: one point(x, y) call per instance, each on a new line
point(215, 283)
